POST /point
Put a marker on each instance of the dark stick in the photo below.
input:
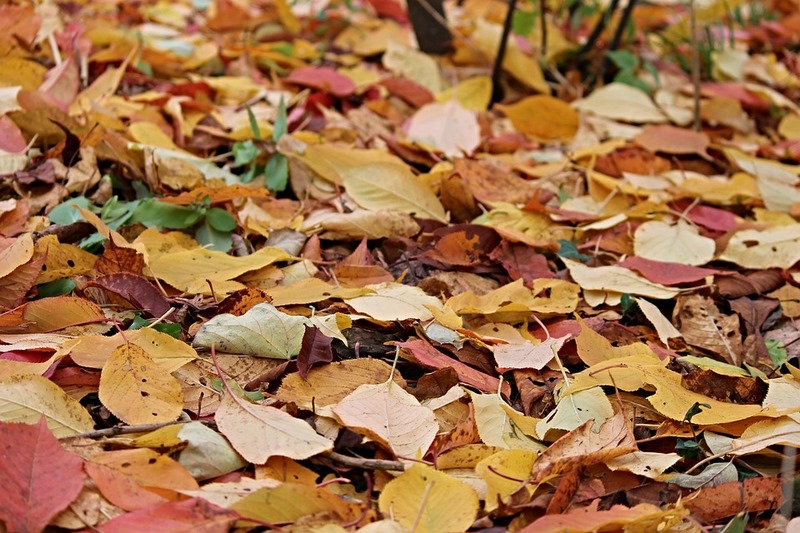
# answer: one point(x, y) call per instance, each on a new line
point(497, 69)
point(598, 28)
point(615, 40)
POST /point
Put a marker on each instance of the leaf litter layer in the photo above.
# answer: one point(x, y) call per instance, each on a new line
point(269, 264)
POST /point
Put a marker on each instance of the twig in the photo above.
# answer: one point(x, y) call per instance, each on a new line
point(369, 464)
point(695, 59)
point(497, 68)
point(124, 430)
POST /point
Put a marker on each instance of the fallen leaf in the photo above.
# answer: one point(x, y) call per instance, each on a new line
point(427, 500)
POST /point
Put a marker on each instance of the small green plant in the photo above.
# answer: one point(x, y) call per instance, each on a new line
point(248, 153)
point(628, 64)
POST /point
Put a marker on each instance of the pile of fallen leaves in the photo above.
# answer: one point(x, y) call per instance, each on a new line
point(266, 264)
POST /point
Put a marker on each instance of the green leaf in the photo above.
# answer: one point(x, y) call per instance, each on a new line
point(628, 304)
point(628, 77)
point(277, 173)
point(212, 238)
point(624, 59)
point(568, 250)
point(65, 212)
point(737, 525)
point(220, 220)
point(777, 352)
point(253, 124)
point(252, 171)
point(687, 448)
point(162, 215)
point(280, 128)
point(244, 152)
point(694, 410)
point(522, 22)
point(56, 287)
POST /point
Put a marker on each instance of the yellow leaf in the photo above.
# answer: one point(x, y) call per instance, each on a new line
point(593, 348)
point(136, 390)
point(428, 501)
point(18, 253)
point(310, 290)
point(374, 179)
point(473, 93)
point(516, 225)
point(189, 269)
point(61, 260)
point(501, 471)
point(391, 416)
point(26, 398)
point(515, 300)
point(16, 71)
point(329, 384)
point(520, 65)
point(670, 399)
point(259, 432)
point(544, 118)
point(151, 135)
point(290, 502)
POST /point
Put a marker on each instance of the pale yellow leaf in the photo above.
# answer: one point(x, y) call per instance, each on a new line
point(258, 432)
point(166, 351)
point(777, 183)
point(617, 279)
point(310, 290)
point(527, 354)
point(497, 428)
point(415, 65)
point(772, 247)
point(263, 331)
point(388, 414)
point(621, 102)
point(664, 327)
point(136, 390)
point(374, 179)
point(429, 501)
point(574, 410)
point(647, 464)
point(447, 127)
point(26, 398)
point(677, 243)
point(361, 223)
point(395, 301)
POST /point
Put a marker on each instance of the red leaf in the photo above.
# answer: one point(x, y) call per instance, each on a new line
point(316, 348)
point(323, 78)
point(195, 515)
point(425, 355)
point(666, 273)
point(409, 91)
point(38, 478)
point(389, 9)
